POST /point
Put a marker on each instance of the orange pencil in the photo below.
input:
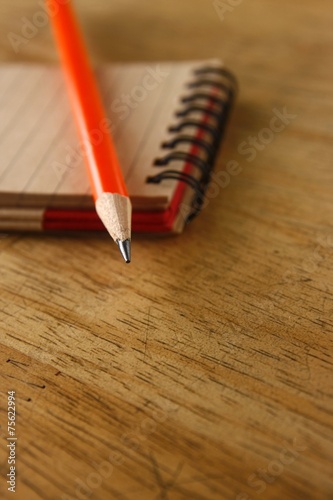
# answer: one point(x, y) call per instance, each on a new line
point(109, 190)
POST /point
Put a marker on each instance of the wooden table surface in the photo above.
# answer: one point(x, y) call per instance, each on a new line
point(203, 370)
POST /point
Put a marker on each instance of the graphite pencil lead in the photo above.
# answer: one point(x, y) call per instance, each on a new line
point(125, 249)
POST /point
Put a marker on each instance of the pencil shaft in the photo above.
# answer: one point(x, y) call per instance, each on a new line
point(106, 179)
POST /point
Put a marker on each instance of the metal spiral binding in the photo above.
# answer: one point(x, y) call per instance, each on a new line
point(218, 71)
point(185, 157)
point(219, 113)
point(201, 95)
point(196, 124)
point(201, 109)
point(206, 146)
point(178, 176)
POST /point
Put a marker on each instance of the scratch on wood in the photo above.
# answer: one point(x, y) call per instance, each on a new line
point(147, 330)
point(165, 486)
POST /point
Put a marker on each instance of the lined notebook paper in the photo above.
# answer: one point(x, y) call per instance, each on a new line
point(166, 121)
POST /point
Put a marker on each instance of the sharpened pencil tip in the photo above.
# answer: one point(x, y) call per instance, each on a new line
point(125, 249)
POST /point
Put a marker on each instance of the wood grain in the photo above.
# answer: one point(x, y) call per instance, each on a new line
point(204, 369)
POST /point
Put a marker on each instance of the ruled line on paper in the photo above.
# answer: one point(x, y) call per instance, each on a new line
point(26, 102)
point(53, 142)
point(12, 84)
point(30, 135)
point(134, 120)
point(165, 94)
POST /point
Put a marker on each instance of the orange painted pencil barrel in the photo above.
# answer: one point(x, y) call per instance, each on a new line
point(101, 158)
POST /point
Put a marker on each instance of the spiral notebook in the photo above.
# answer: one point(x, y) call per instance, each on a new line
point(167, 121)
